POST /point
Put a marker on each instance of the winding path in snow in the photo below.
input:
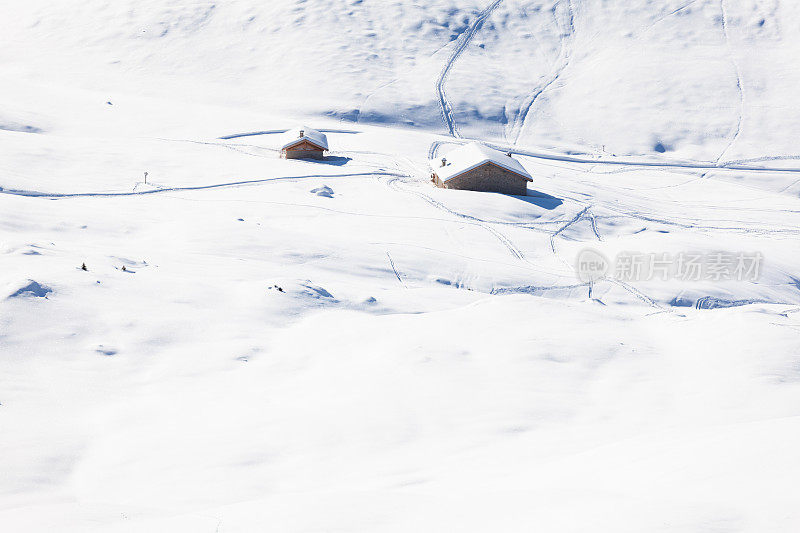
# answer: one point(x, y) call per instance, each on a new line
point(55, 195)
point(739, 83)
point(461, 45)
point(567, 31)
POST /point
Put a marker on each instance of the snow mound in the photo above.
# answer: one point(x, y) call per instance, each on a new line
point(325, 191)
point(21, 128)
point(31, 288)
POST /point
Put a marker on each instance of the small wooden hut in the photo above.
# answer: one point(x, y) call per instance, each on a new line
point(476, 167)
point(303, 143)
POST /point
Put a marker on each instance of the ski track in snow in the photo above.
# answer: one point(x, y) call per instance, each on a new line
point(461, 44)
point(577, 218)
point(636, 292)
point(51, 195)
point(739, 82)
point(517, 253)
point(622, 162)
point(664, 17)
point(697, 225)
point(505, 241)
point(562, 62)
point(394, 268)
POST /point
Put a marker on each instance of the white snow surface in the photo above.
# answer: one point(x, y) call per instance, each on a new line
point(296, 135)
point(337, 345)
point(472, 155)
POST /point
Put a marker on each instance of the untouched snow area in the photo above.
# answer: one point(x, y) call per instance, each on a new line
point(260, 344)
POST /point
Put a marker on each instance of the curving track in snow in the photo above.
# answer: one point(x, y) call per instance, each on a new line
point(566, 23)
point(621, 162)
point(461, 45)
point(737, 130)
point(54, 195)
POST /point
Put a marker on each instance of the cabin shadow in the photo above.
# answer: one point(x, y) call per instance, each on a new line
point(331, 160)
point(541, 199)
point(340, 131)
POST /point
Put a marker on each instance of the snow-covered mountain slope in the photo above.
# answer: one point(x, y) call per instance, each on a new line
point(702, 79)
point(340, 346)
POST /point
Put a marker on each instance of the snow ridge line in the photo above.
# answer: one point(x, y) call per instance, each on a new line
point(739, 82)
point(461, 45)
point(567, 32)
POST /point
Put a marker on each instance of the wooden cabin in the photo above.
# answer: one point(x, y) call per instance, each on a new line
point(303, 143)
point(476, 167)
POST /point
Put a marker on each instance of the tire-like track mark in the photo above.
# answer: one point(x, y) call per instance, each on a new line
point(567, 28)
point(461, 45)
point(739, 83)
point(537, 289)
point(710, 302)
point(766, 158)
point(434, 148)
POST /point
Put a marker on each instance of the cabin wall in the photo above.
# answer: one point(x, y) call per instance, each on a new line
point(302, 154)
point(303, 150)
point(488, 178)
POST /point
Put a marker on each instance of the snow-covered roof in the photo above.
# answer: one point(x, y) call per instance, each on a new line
point(313, 136)
point(465, 158)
